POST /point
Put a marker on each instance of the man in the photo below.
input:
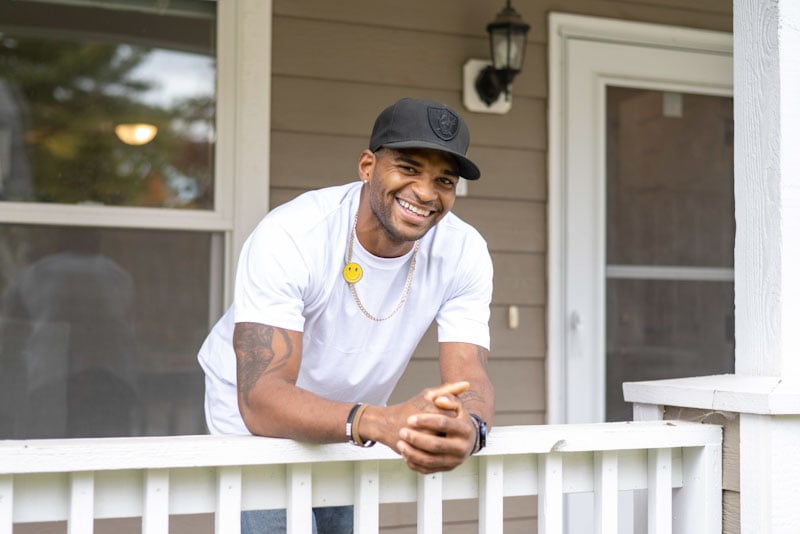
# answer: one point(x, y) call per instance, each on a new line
point(335, 289)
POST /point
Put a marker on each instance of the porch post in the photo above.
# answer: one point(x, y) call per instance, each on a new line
point(766, 56)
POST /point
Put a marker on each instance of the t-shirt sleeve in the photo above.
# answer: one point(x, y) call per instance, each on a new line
point(271, 279)
point(464, 317)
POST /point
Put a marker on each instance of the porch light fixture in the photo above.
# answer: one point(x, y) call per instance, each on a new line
point(507, 35)
point(507, 38)
point(135, 134)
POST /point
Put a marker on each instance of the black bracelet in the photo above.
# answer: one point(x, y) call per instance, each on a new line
point(348, 427)
point(480, 433)
point(351, 427)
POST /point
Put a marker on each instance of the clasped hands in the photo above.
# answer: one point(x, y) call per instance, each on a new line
point(440, 435)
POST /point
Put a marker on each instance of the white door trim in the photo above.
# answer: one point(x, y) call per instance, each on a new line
point(564, 29)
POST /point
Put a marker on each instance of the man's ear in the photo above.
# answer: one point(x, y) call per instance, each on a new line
point(366, 165)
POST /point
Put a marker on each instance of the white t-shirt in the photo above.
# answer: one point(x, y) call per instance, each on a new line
point(290, 276)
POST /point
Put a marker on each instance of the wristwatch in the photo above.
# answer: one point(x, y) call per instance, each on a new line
point(480, 433)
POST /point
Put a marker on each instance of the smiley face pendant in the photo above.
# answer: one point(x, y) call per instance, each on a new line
point(352, 273)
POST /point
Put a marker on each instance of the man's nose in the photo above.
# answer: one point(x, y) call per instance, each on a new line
point(425, 189)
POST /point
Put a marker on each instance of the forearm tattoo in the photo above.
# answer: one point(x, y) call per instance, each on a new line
point(256, 354)
point(472, 395)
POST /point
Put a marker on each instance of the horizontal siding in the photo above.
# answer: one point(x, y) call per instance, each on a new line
point(443, 54)
point(509, 226)
point(348, 109)
point(469, 17)
point(519, 279)
point(518, 174)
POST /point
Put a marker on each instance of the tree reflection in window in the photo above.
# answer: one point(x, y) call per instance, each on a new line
point(60, 101)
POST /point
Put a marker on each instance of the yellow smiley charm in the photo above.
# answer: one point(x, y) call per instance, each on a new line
point(352, 273)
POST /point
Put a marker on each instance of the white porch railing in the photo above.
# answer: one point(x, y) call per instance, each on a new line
point(78, 480)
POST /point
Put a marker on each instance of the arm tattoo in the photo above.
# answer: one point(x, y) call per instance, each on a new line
point(255, 353)
point(472, 395)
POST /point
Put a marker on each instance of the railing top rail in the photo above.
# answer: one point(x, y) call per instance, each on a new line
point(105, 454)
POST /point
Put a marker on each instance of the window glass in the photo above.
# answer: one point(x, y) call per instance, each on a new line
point(670, 179)
point(665, 329)
point(99, 331)
point(106, 106)
point(100, 326)
point(670, 232)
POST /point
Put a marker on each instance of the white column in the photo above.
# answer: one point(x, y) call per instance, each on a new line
point(770, 470)
point(767, 252)
point(766, 52)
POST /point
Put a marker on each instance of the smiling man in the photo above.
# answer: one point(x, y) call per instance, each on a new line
point(335, 289)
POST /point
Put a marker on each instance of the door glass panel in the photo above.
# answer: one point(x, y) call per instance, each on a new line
point(107, 106)
point(670, 231)
point(99, 330)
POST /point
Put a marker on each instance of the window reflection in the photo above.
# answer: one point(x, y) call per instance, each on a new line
point(62, 99)
point(99, 331)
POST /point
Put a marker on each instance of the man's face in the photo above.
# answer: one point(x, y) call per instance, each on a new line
point(411, 190)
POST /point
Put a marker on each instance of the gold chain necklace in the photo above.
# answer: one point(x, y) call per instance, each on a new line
point(353, 272)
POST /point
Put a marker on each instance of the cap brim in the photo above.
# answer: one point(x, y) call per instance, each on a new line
point(466, 168)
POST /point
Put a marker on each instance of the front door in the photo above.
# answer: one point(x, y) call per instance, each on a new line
point(641, 214)
point(641, 222)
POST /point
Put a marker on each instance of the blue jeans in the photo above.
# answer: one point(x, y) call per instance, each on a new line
point(329, 520)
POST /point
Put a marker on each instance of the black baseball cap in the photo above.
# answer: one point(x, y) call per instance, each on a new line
point(414, 123)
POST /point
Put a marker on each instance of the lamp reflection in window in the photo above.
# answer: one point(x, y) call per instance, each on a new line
point(136, 134)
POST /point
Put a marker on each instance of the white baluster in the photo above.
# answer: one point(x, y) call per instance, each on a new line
point(491, 494)
point(551, 497)
point(366, 497)
point(81, 503)
point(659, 491)
point(155, 516)
point(606, 492)
point(298, 511)
point(429, 504)
point(227, 519)
point(6, 504)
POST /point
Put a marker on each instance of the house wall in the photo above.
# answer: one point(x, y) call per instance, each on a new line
point(337, 64)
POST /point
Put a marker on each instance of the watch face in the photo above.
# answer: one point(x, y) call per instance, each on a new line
point(480, 427)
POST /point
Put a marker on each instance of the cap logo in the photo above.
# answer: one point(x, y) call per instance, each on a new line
point(444, 123)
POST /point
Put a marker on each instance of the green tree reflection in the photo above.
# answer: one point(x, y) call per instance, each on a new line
point(70, 95)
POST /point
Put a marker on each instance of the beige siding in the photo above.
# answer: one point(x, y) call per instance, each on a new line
point(337, 64)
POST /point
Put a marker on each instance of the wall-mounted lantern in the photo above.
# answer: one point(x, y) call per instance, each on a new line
point(487, 81)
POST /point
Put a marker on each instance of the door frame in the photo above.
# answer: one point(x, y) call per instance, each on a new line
point(566, 30)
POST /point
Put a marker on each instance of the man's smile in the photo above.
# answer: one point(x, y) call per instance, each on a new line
point(414, 209)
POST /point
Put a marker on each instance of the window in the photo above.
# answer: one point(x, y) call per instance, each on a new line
point(112, 248)
point(99, 330)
